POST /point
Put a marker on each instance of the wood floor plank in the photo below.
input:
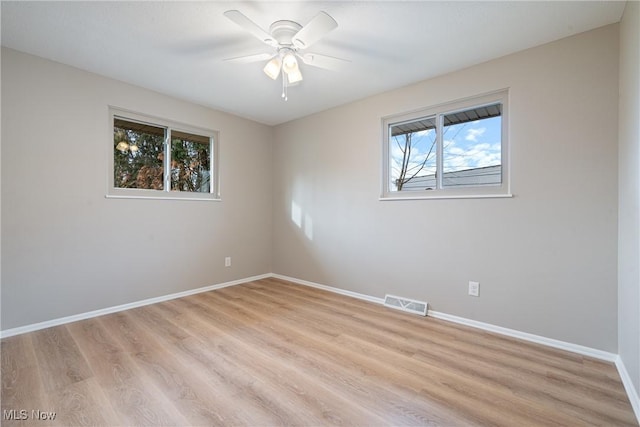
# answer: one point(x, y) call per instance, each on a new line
point(216, 358)
point(358, 382)
point(131, 395)
point(22, 388)
point(310, 399)
point(174, 376)
point(273, 376)
point(460, 339)
point(61, 362)
point(271, 352)
point(394, 376)
point(608, 409)
point(599, 403)
point(80, 404)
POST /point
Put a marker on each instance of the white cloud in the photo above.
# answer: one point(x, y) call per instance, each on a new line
point(474, 133)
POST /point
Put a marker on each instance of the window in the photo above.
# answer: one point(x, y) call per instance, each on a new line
point(154, 158)
point(452, 150)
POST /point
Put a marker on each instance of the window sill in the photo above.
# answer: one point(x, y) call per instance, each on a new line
point(447, 196)
point(199, 199)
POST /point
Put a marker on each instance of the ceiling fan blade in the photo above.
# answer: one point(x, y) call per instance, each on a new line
point(240, 19)
point(250, 58)
point(320, 25)
point(322, 61)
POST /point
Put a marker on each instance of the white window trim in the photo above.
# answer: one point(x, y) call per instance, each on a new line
point(166, 194)
point(471, 192)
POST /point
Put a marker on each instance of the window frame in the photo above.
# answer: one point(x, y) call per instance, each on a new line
point(439, 111)
point(166, 193)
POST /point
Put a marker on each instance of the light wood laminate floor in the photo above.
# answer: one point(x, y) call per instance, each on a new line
point(271, 352)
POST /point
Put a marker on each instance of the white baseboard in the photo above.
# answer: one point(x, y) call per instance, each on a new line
point(550, 342)
point(629, 387)
point(95, 313)
point(330, 289)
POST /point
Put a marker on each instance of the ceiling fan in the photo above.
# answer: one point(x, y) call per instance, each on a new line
point(289, 39)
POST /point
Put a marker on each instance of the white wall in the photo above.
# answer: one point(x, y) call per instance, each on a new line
point(629, 194)
point(66, 249)
point(546, 259)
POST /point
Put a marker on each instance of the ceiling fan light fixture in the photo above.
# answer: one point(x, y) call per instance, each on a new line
point(272, 69)
point(294, 76)
point(289, 63)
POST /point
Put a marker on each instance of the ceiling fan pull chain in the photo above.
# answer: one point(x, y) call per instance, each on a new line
point(284, 86)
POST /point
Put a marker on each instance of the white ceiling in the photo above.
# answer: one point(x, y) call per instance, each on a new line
point(178, 48)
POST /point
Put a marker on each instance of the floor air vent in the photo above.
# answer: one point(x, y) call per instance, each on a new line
point(406, 304)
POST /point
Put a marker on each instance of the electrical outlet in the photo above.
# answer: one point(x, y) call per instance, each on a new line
point(227, 261)
point(474, 289)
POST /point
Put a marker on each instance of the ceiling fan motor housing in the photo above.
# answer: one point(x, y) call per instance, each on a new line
point(283, 31)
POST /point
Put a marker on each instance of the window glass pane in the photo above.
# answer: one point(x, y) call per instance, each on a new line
point(190, 162)
point(472, 147)
point(412, 155)
point(138, 155)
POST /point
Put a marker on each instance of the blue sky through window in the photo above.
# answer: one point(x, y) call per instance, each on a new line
point(472, 145)
point(466, 146)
